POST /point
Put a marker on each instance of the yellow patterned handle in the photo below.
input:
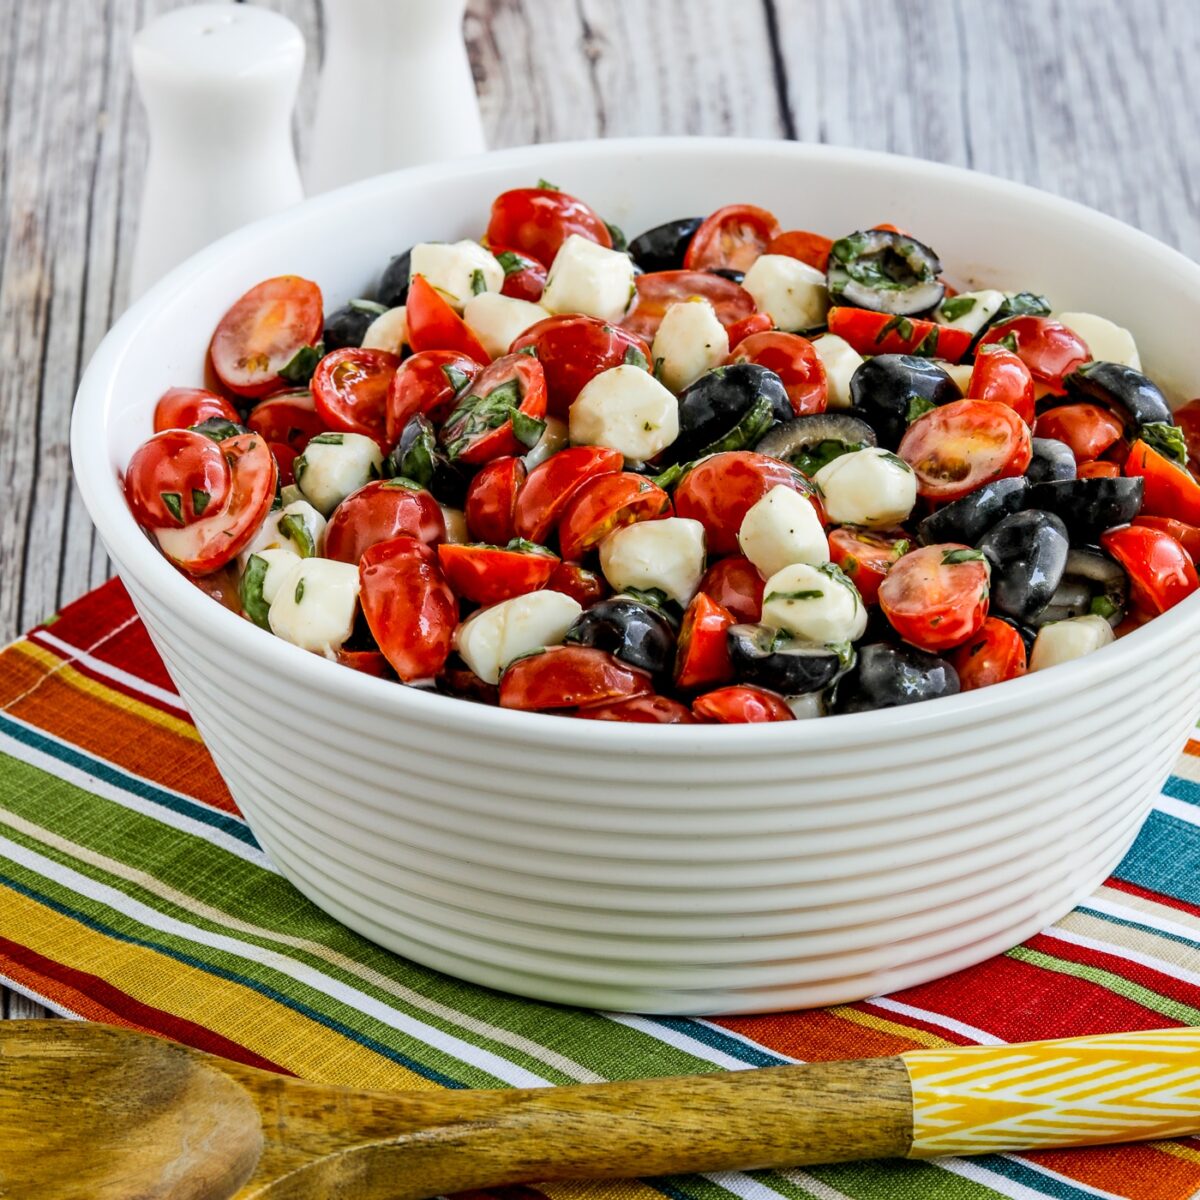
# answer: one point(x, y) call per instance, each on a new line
point(1119, 1087)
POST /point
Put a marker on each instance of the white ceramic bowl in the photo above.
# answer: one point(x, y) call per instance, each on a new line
point(634, 867)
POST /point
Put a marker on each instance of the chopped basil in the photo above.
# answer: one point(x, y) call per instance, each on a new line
point(299, 466)
point(755, 422)
point(1102, 606)
point(456, 377)
point(951, 558)
point(478, 282)
point(671, 476)
point(546, 186)
point(415, 456)
point(901, 548)
point(512, 263)
point(918, 406)
point(845, 652)
point(635, 358)
point(174, 504)
point(530, 350)
point(901, 325)
point(928, 346)
point(1022, 304)
point(327, 439)
point(250, 590)
point(399, 481)
point(299, 592)
point(658, 369)
point(368, 306)
point(475, 415)
point(219, 429)
point(526, 429)
point(200, 500)
point(834, 572)
point(1168, 440)
point(811, 460)
point(1009, 341)
point(619, 240)
point(293, 527)
point(654, 597)
point(810, 594)
point(896, 461)
point(524, 546)
point(957, 306)
point(302, 365)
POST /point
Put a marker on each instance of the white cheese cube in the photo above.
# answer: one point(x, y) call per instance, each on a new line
point(497, 321)
point(297, 526)
point(457, 269)
point(871, 487)
point(666, 554)
point(315, 604)
point(689, 342)
point(792, 292)
point(627, 409)
point(971, 310)
point(816, 604)
point(1107, 342)
point(333, 465)
point(280, 561)
point(780, 529)
point(491, 638)
point(959, 372)
point(806, 706)
point(389, 331)
point(1061, 641)
point(840, 360)
point(456, 525)
point(554, 438)
point(589, 278)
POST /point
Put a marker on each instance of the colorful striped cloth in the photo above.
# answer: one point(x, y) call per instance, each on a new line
point(131, 891)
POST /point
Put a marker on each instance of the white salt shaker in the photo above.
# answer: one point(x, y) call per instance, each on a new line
point(219, 85)
point(396, 90)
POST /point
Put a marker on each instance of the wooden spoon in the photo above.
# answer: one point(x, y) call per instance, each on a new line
point(94, 1112)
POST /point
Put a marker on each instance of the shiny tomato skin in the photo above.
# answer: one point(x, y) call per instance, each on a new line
point(183, 407)
point(491, 502)
point(731, 239)
point(739, 331)
point(795, 360)
point(1170, 490)
point(994, 654)
point(434, 325)
point(368, 662)
point(811, 248)
point(658, 290)
point(426, 383)
point(1001, 377)
point(735, 584)
point(409, 607)
point(1087, 429)
point(1097, 470)
point(263, 331)
point(378, 512)
point(536, 221)
point(288, 417)
point(866, 556)
point(350, 391)
point(524, 276)
point(1188, 536)
point(1161, 572)
point(964, 444)
point(550, 486)
point(877, 333)
point(702, 655)
point(606, 503)
point(492, 574)
point(1048, 348)
point(641, 710)
point(284, 457)
point(468, 437)
point(583, 586)
point(569, 677)
point(176, 472)
point(932, 604)
point(741, 704)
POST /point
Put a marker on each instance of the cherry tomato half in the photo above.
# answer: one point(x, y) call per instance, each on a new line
point(569, 677)
point(735, 584)
point(731, 239)
point(1161, 573)
point(290, 418)
point(1087, 429)
point(350, 391)
point(962, 445)
point(794, 359)
point(285, 456)
point(499, 412)
point(658, 290)
point(434, 325)
point(378, 512)
point(642, 710)
point(1188, 536)
point(994, 654)
point(550, 486)
point(491, 574)
point(741, 705)
point(702, 654)
point(606, 503)
point(811, 248)
point(1048, 348)
point(583, 586)
point(866, 556)
point(877, 333)
point(739, 331)
point(491, 501)
point(536, 221)
point(426, 383)
point(1097, 470)
point(182, 407)
point(1170, 490)
point(936, 597)
point(524, 277)
point(1000, 377)
point(175, 478)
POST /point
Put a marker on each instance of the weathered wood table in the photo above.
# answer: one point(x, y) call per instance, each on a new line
point(1094, 99)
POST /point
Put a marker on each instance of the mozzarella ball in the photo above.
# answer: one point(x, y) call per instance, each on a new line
point(840, 360)
point(1061, 641)
point(960, 372)
point(554, 438)
point(689, 342)
point(791, 291)
point(780, 529)
point(497, 321)
point(333, 465)
point(280, 561)
point(871, 487)
point(627, 409)
point(969, 311)
point(589, 278)
point(297, 526)
point(457, 269)
point(806, 706)
point(491, 638)
point(315, 604)
point(666, 554)
point(816, 604)
point(456, 525)
point(1107, 342)
point(389, 331)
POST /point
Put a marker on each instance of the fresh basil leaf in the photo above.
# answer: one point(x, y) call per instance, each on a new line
point(809, 594)
point(478, 282)
point(250, 590)
point(1102, 606)
point(928, 346)
point(1022, 304)
point(200, 501)
point(293, 527)
point(635, 358)
point(399, 481)
point(173, 502)
point(951, 558)
point(918, 406)
point(299, 466)
point(456, 377)
point(1168, 440)
point(1009, 341)
point(546, 186)
point(530, 350)
point(302, 365)
point(810, 461)
point(298, 594)
point(512, 263)
point(755, 422)
point(619, 240)
point(327, 439)
point(901, 325)
point(957, 306)
point(524, 546)
point(526, 429)
point(219, 429)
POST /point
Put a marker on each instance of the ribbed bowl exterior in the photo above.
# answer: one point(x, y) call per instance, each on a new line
point(654, 870)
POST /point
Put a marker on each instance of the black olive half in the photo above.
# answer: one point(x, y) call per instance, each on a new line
point(886, 271)
point(1092, 583)
point(1090, 506)
point(888, 676)
point(1049, 460)
point(729, 408)
point(769, 658)
point(810, 442)
point(417, 456)
point(890, 390)
point(393, 283)
point(734, 276)
point(1028, 555)
point(348, 325)
point(636, 633)
point(1132, 396)
point(663, 247)
point(969, 518)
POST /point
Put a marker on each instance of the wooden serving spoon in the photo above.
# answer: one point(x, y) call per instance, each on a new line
point(94, 1112)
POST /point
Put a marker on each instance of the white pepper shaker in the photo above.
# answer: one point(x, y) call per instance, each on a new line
point(219, 85)
point(396, 90)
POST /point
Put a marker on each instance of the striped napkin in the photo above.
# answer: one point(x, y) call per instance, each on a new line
point(131, 891)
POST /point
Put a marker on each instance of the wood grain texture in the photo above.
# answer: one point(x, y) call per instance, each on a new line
point(1088, 98)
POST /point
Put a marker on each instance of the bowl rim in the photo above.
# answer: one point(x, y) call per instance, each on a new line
point(135, 554)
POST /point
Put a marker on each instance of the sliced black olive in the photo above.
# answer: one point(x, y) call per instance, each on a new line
point(1028, 555)
point(1050, 460)
point(663, 247)
point(1027, 632)
point(969, 518)
point(769, 658)
point(1090, 506)
point(887, 676)
point(393, 283)
point(890, 390)
point(810, 442)
point(1132, 396)
point(348, 325)
point(636, 633)
point(727, 273)
point(886, 271)
point(1092, 583)
point(417, 456)
point(729, 408)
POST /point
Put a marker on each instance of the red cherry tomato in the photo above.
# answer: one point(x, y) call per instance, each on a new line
point(936, 597)
point(182, 407)
point(1097, 470)
point(1087, 429)
point(368, 662)
point(569, 677)
point(434, 325)
point(378, 512)
point(409, 607)
point(658, 290)
point(642, 710)
point(866, 556)
point(735, 584)
point(796, 362)
point(290, 418)
point(739, 331)
point(1002, 378)
point(1048, 348)
point(994, 654)
point(702, 655)
point(1161, 573)
point(350, 390)
point(175, 478)
point(962, 445)
point(551, 484)
point(426, 383)
point(1188, 536)
point(573, 350)
point(731, 239)
point(284, 457)
point(264, 331)
point(491, 574)
point(719, 491)
point(524, 277)
point(877, 333)
point(536, 221)
point(741, 705)
point(606, 503)
point(583, 586)
point(811, 248)
point(491, 500)
point(484, 423)
point(1170, 490)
